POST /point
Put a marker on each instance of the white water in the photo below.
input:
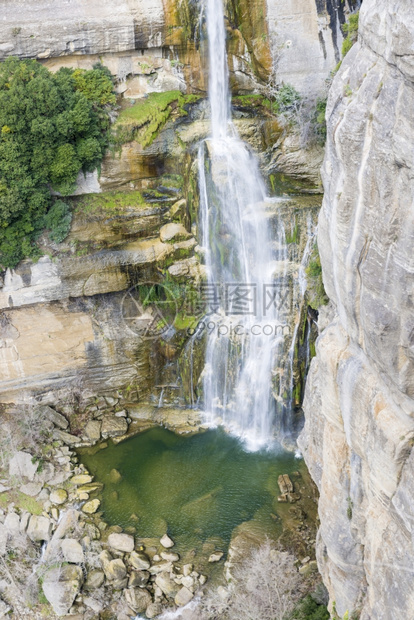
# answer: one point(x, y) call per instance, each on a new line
point(241, 351)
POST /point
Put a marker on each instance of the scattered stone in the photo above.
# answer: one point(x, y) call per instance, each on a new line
point(67, 438)
point(121, 542)
point(306, 560)
point(115, 476)
point(55, 513)
point(22, 465)
point(138, 599)
point(83, 496)
point(56, 418)
point(39, 528)
point(157, 558)
point(160, 568)
point(24, 521)
point(216, 556)
point(121, 414)
point(113, 427)
point(202, 579)
point(154, 609)
point(310, 567)
point(115, 570)
point(72, 551)
point(3, 488)
point(183, 597)
point(81, 479)
point(93, 603)
point(285, 484)
point(47, 473)
point(188, 581)
point(61, 586)
point(93, 430)
point(187, 569)
point(138, 579)
point(31, 488)
point(90, 487)
point(169, 556)
point(91, 507)
point(58, 496)
point(94, 579)
point(167, 542)
point(166, 584)
point(139, 560)
point(12, 523)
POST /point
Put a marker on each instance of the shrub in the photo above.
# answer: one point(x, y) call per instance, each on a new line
point(58, 220)
point(51, 127)
point(351, 30)
point(309, 609)
point(286, 99)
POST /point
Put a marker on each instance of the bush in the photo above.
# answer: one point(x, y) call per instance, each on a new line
point(287, 99)
point(309, 609)
point(51, 127)
point(351, 30)
point(58, 220)
point(320, 121)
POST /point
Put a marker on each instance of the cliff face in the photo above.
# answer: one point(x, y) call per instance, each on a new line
point(155, 45)
point(359, 405)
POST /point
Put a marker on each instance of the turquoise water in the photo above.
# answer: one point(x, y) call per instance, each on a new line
point(197, 488)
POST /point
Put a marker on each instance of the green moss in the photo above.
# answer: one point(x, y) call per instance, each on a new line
point(251, 101)
point(316, 292)
point(292, 237)
point(144, 120)
point(109, 202)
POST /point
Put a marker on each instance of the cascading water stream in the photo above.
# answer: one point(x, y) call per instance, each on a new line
point(244, 324)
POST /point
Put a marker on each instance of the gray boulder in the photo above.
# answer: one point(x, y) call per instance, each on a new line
point(61, 586)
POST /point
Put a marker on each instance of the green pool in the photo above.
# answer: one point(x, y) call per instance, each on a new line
point(196, 488)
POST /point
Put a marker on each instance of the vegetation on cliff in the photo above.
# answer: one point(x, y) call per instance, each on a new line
point(52, 126)
point(144, 120)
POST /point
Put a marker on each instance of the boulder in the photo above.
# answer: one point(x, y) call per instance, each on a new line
point(139, 560)
point(166, 584)
point(58, 496)
point(39, 528)
point(154, 609)
point(93, 430)
point(61, 585)
point(31, 488)
point(169, 556)
point(91, 507)
point(113, 426)
point(81, 479)
point(167, 542)
point(216, 556)
point(72, 551)
point(183, 597)
point(138, 578)
point(56, 418)
point(121, 542)
point(94, 580)
point(173, 232)
point(67, 438)
point(115, 570)
point(22, 465)
point(138, 599)
point(93, 603)
point(285, 484)
point(12, 523)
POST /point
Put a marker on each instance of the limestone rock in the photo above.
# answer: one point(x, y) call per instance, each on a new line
point(169, 556)
point(81, 479)
point(21, 464)
point(173, 232)
point(91, 507)
point(31, 488)
point(166, 584)
point(115, 476)
point(94, 579)
point(93, 430)
point(121, 542)
point(154, 609)
point(61, 586)
point(183, 597)
point(67, 438)
point(138, 599)
point(56, 418)
point(39, 528)
point(167, 542)
point(115, 570)
point(139, 560)
point(72, 551)
point(137, 579)
point(58, 496)
point(216, 556)
point(113, 427)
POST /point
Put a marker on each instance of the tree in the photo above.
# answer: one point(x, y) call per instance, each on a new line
point(51, 127)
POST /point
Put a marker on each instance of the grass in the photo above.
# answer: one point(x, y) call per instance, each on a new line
point(144, 120)
point(22, 501)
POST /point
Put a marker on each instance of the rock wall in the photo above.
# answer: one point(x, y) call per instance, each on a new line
point(359, 404)
point(159, 45)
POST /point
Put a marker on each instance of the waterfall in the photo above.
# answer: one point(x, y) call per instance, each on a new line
point(245, 269)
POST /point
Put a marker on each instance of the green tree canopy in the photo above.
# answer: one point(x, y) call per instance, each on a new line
point(51, 127)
